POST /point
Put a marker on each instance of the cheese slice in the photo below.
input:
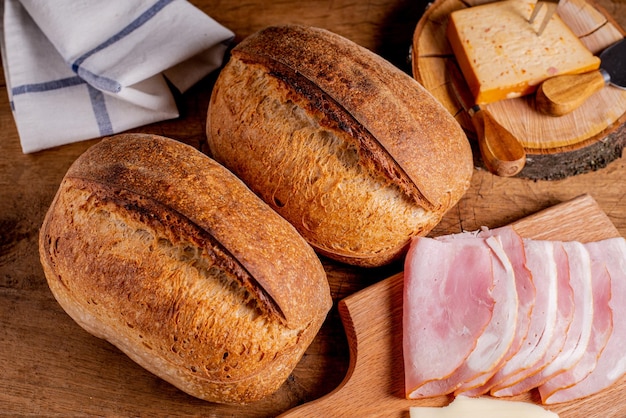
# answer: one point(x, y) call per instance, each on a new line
point(466, 407)
point(502, 56)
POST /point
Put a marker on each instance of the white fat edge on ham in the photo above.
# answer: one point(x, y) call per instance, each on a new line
point(494, 342)
point(565, 315)
point(602, 326)
point(503, 328)
point(441, 323)
point(578, 334)
point(540, 261)
point(513, 245)
point(611, 364)
point(582, 323)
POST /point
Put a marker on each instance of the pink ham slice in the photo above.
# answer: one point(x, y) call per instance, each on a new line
point(542, 265)
point(447, 306)
point(576, 329)
point(495, 340)
point(579, 331)
point(608, 264)
point(602, 325)
point(513, 246)
point(565, 314)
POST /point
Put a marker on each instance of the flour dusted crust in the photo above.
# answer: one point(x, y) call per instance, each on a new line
point(352, 151)
point(158, 249)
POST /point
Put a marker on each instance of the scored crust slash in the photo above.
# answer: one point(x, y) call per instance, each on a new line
point(161, 251)
point(356, 154)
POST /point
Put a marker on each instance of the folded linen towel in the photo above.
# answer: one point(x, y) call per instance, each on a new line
point(81, 70)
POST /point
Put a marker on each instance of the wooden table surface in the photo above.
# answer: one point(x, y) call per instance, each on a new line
point(51, 367)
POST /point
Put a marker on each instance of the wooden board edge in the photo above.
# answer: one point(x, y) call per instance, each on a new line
point(581, 213)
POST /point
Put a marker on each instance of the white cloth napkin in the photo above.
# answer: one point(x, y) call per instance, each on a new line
point(77, 70)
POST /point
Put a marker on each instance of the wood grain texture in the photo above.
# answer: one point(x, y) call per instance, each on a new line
point(51, 367)
point(584, 139)
point(501, 153)
point(373, 322)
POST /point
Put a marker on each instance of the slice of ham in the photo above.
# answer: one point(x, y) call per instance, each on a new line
point(542, 265)
point(565, 314)
point(602, 326)
point(498, 337)
point(526, 292)
point(578, 334)
point(513, 246)
point(608, 264)
point(447, 306)
point(495, 340)
point(453, 309)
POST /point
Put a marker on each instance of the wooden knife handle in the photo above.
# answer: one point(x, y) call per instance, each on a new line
point(561, 94)
point(501, 152)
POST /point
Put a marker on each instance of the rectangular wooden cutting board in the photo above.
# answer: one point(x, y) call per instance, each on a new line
point(372, 318)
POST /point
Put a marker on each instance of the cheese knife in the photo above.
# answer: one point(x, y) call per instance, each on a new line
point(551, 6)
point(501, 152)
point(562, 94)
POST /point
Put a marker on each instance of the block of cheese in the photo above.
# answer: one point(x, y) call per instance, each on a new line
point(501, 54)
point(466, 407)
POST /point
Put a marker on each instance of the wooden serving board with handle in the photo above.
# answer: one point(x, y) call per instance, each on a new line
point(372, 318)
point(586, 139)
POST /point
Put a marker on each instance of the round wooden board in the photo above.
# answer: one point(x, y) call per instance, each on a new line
point(557, 147)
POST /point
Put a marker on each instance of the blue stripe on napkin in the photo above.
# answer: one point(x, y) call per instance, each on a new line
point(96, 96)
point(47, 86)
point(95, 83)
point(103, 82)
point(100, 82)
point(100, 110)
point(90, 79)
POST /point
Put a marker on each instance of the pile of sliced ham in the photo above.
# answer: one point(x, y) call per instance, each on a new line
point(490, 312)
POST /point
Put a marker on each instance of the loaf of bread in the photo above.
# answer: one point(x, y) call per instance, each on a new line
point(352, 151)
point(501, 54)
point(155, 247)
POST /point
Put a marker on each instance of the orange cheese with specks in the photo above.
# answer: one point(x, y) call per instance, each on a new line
point(502, 56)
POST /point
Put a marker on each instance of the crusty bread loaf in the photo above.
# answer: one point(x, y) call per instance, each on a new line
point(155, 247)
point(356, 154)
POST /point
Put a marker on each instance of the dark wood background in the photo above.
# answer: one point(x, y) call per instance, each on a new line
point(49, 366)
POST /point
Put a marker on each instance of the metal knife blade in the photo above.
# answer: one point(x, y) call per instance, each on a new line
point(460, 88)
point(501, 152)
point(613, 62)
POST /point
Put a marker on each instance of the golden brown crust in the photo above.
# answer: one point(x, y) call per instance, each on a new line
point(407, 122)
point(138, 163)
point(136, 249)
point(309, 172)
point(353, 152)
